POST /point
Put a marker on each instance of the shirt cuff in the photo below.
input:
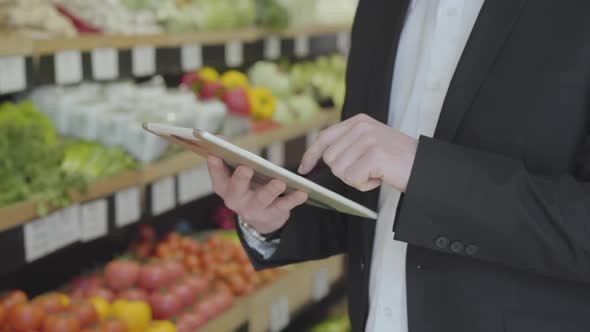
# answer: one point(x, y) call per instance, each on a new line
point(264, 248)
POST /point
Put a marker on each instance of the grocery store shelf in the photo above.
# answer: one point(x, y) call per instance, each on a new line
point(23, 45)
point(258, 310)
point(22, 212)
point(90, 42)
point(19, 213)
point(313, 30)
point(230, 320)
point(15, 44)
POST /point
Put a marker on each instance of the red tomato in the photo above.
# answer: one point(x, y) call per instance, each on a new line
point(87, 282)
point(78, 294)
point(2, 315)
point(113, 325)
point(214, 241)
point(237, 284)
point(222, 286)
point(189, 322)
point(133, 294)
point(143, 250)
point(200, 285)
point(13, 298)
point(103, 293)
point(92, 328)
point(146, 232)
point(172, 237)
point(189, 244)
point(153, 276)
point(51, 303)
point(121, 274)
point(25, 317)
point(85, 312)
point(175, 270)
point(191, 261)
point(165, 305)
point(61, 322)
point(187, 293)
point(163, 251)
point(242, 257)
point(222, 301)
point(207, 261)
point(206, 309)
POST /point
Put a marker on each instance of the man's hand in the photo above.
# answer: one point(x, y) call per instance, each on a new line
point(262, 208)
point(364, 153)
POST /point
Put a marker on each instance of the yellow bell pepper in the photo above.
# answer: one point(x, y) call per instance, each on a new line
point(161, 326)
point(262, 103)
point(135, 314)
point(234, 79)
point(102, 307)
point(208, 74)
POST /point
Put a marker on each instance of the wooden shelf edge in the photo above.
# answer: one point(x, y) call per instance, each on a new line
point(22, 212)
point(15, 44)
point(254, 309)
point(19, 44)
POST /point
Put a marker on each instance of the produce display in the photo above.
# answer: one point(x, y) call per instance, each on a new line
point(35, 16)
point(139, 17)
point(112, 113)
point(175, 284)
point(336, 323)
point(35, 164)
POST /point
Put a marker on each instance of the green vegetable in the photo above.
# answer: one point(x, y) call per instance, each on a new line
point(94, 161)
point(271, 14)
point(337, 323)
point(31, 158)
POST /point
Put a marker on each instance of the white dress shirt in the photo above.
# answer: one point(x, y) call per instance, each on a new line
point(432, 41)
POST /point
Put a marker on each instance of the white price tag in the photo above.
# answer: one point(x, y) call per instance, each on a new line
point(272, 47)
point(234, 53)
point(143, 60)
point(279, 314)
point(163, 195)
point(37, 238)
point(276, 153)
point(93, 220)
point(191, 57)
point(311, 137)
point(302, 46)
point(68, 67)
point(321, 286)
point(343, 42)
point(67, 227)
point(105, 63)
point(193, 184)
point(127, 210)
point(13, 75)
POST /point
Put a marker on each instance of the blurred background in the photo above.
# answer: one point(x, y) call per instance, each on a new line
point(104, 227)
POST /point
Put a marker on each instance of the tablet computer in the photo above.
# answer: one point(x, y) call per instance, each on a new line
point(204, 143)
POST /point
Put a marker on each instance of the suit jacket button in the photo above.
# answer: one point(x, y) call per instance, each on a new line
point(457, 247)
point(362, 267)
point(471, 249)
point(441, 242)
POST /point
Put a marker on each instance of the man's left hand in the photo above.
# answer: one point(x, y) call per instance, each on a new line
point(364, 153)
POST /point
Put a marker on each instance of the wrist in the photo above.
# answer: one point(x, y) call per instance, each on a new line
point(265, 237)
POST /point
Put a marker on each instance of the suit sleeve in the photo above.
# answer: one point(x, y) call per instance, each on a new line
point(490, 207)
point(310, 233)
point(314, 233)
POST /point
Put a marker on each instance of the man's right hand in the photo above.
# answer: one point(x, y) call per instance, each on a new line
point(262, 208)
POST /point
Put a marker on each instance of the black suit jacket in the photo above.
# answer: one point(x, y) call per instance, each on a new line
point(497, 210)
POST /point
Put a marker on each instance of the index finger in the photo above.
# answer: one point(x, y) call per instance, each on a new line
point(327, 137)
